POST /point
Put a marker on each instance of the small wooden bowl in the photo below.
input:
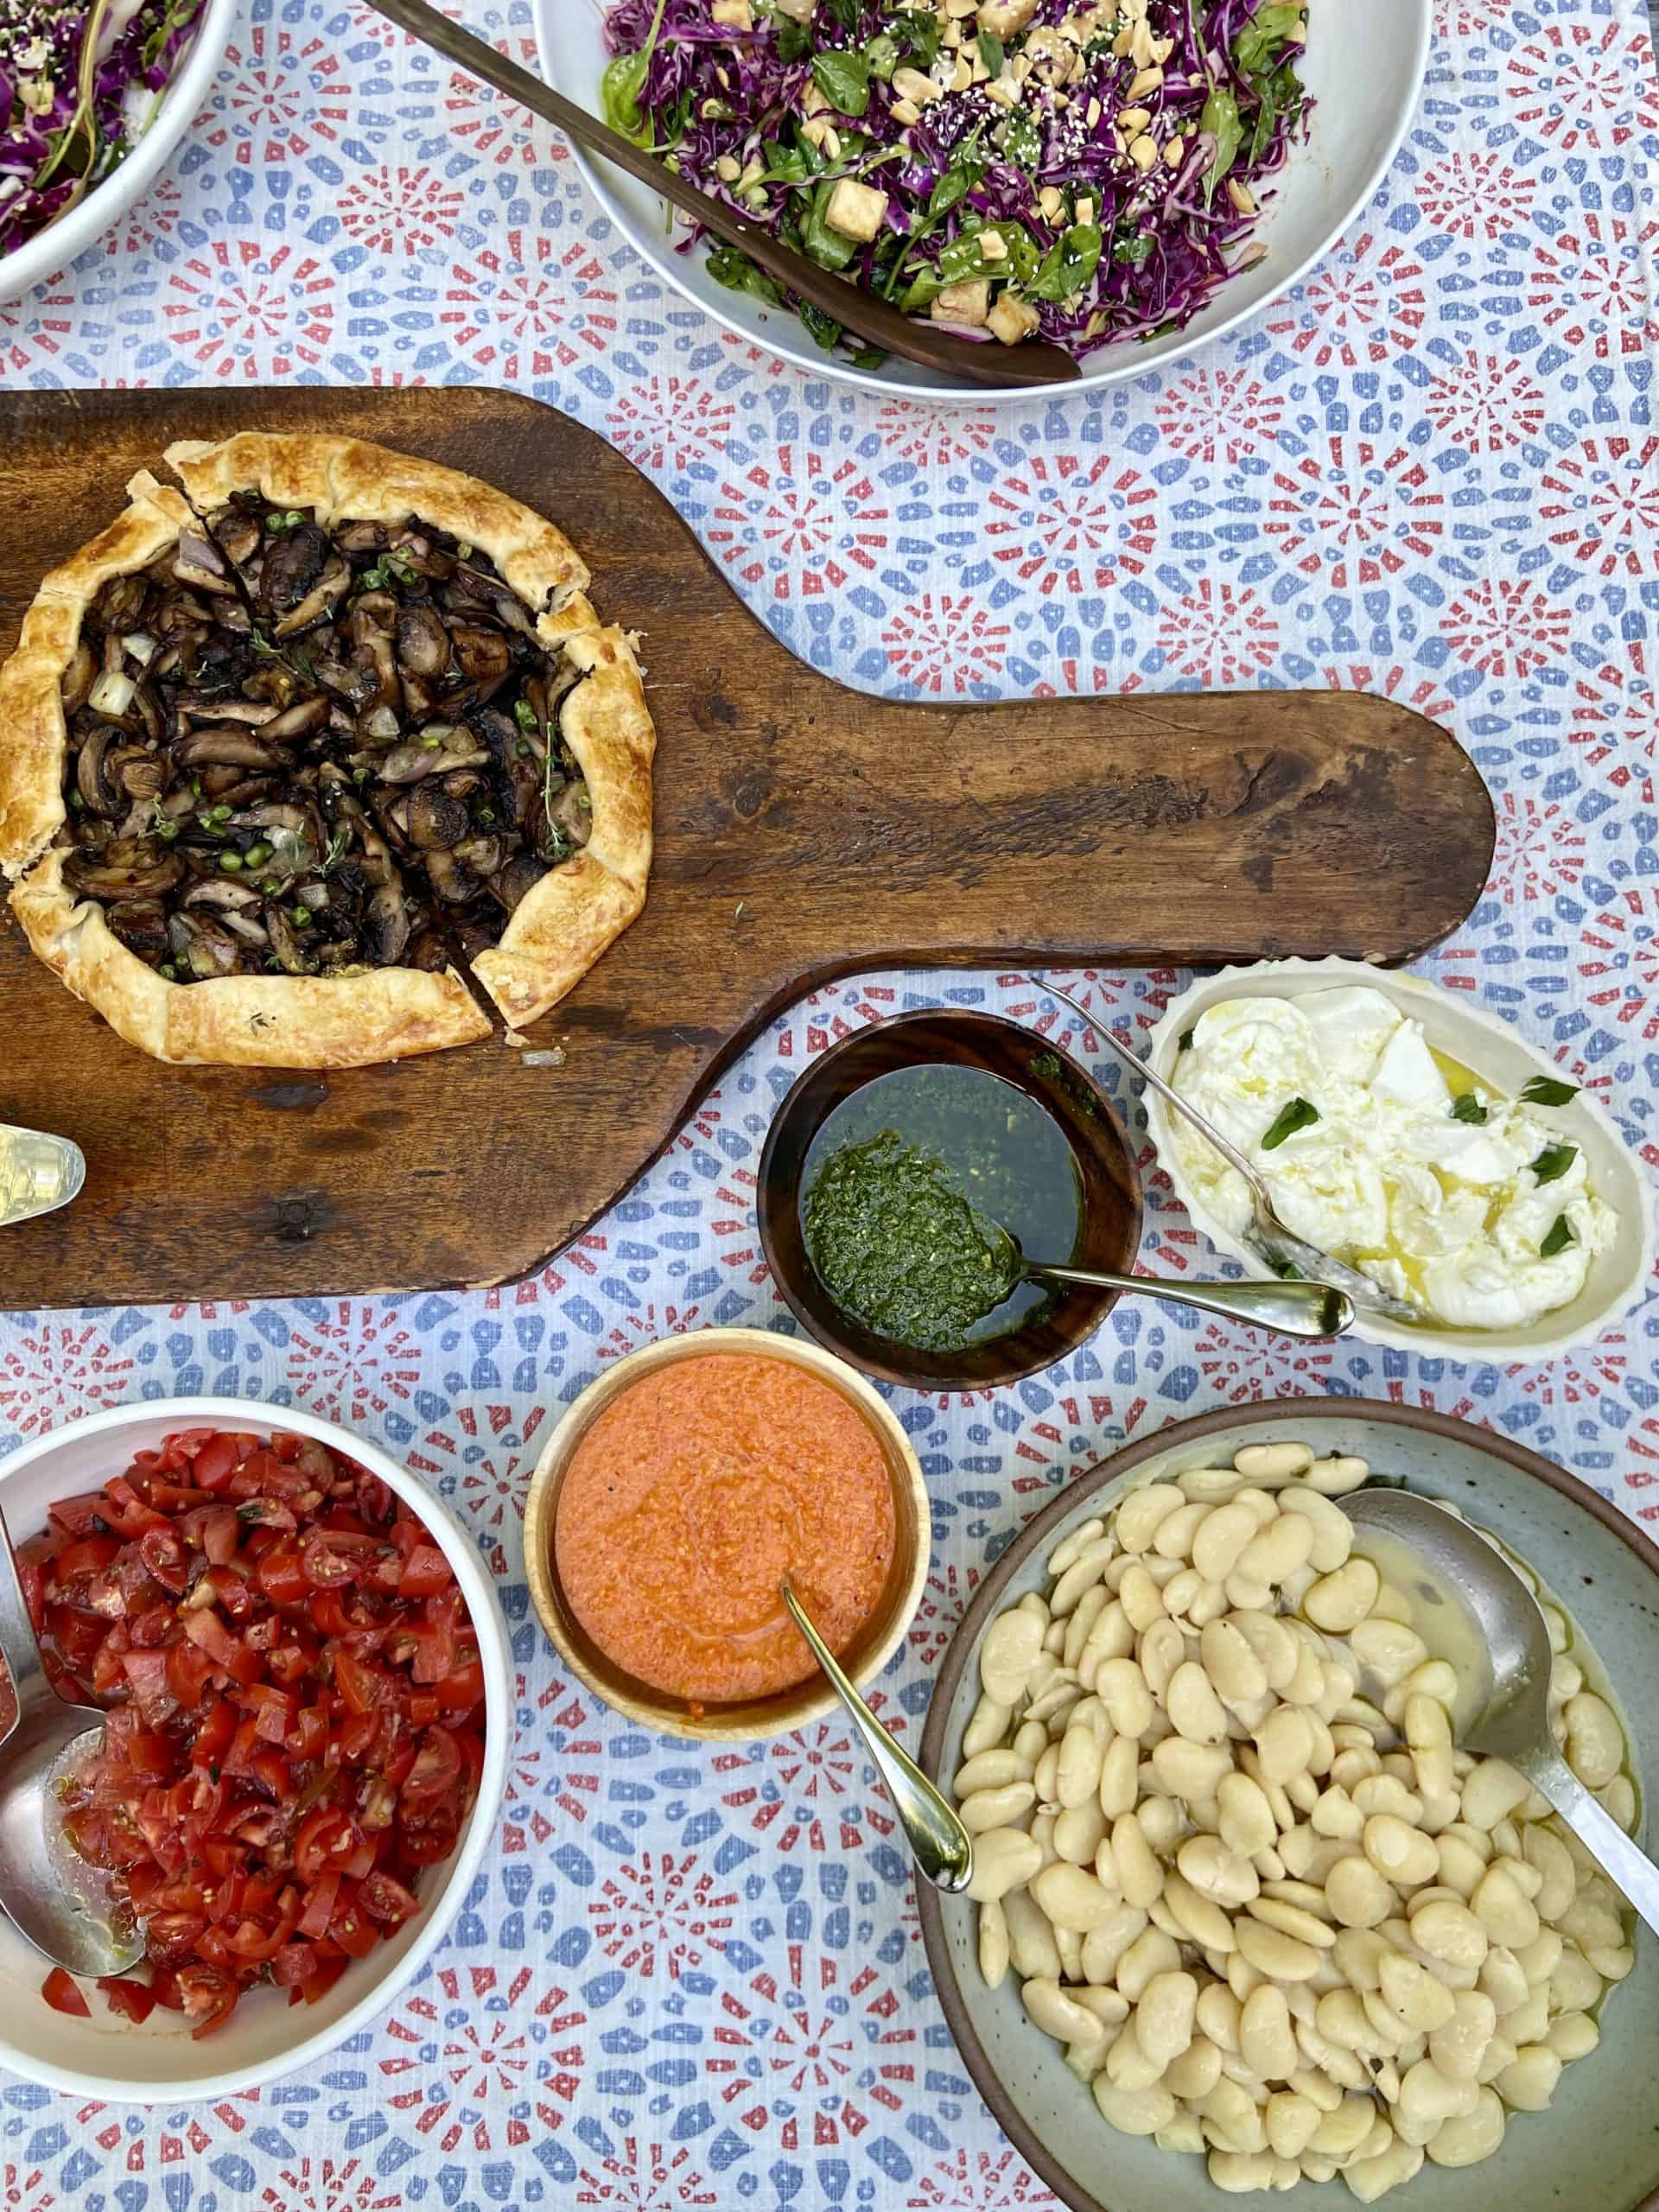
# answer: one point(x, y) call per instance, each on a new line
point(1110, 1237)
point(808, 1700)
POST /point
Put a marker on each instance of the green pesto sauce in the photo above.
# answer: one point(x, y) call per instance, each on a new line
point(909, 1187)
point(899, 1249)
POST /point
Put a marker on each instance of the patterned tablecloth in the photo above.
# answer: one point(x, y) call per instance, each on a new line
point(696, 1978)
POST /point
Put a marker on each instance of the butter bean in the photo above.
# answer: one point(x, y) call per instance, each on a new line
point(1339, 1601)
point(1200, 1919)
point(1235, 1670)
point(1081, 1619)
point(1119, 1776)
point(1292, 1920)
point(1397, 2162)
point(1428, 1733)
point(1265, 2041)
point(1218, 2015)
point(1491, 1790)
point(1504, 1911)
point(1595, 1742)
point(1449, 1932)
point(1046, 1777)
point(1211, 1485)
point(1402, 1854)
point(1231, 2111)
point(1004, 1858)
point(1358, 1895)
point(1011, 1645)
point(1272, 1463)
point(1176, 1531)
point(1240, 2173)
point(1280, 1957)
point(1459, 2045)
point(1133, 2111)
point(1340, 2133)
point(1057, 2013)
point(1194, 1709)
point(1528, 2084)
point(1543, 1958)
point(1070, 1547)
point(1192, 1771)
point(1572, 2035)
point(993, 1945)
point(1111, 1638)
point(1105, 1945)
point(1335, 1815)
point(1164, 2016)
point(986, 1726)
point(995, 1808)
point(1460, 1867)
point(989, 1770)
point(1083, 1574)
point(1335, 1477)
point(1072, 1898)
point(1151, 1952)
point(1386, 1650)
point(1244, 1816)
point(1139, 1873)
point(1502, 1979)
point(1291, 2119)
point(1467, 2138)
point(1284, 1743)
point(1030, 1742)
point(1078, 1832)
point(1032, 1951)
point(1122, 1689)
point(1276, 1552)
point(1140, 1598)
point(1185, 2133)
point(1077, 1775)
point(1142, 1512)
point(1217, 1872)
point(1196, 2071)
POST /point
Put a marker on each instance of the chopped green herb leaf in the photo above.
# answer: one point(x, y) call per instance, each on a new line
point(1068, 264)
point(990, 52)
point(1554, 1161)
point(1545, 1090)
point(1467, 1108)
point(1187, 1035)
point(1220, 119)
point(843, 78)
point(1560, 1237)
point(1299, 1115)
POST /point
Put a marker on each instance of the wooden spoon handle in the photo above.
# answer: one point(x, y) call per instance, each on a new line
point(872, 319)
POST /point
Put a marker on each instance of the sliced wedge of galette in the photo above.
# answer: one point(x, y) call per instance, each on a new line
point(284, 756)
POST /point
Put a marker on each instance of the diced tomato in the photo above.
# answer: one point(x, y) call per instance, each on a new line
point(208, 1995)
point(382, 1896)
point(127, 1999)
point(297, 1701)
point(64, 1994)
point(426, 1574)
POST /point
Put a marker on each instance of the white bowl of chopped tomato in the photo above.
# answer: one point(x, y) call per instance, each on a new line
point(309, 1694)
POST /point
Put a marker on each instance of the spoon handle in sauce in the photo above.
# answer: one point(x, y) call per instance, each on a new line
point(940, 1844)
point(1620, 1857)
point(1312, 1310)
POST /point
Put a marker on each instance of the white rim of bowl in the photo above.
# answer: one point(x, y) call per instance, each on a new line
point(1465, 1348)
point(45, 254)
point(815, 363)
point(462, 1868)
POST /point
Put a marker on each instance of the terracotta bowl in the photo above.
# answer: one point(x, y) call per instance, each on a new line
point(1110, 1237)
point(1596, 2150)
point(807, 1700)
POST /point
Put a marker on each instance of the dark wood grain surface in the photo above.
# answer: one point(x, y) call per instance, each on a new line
point(804, 832)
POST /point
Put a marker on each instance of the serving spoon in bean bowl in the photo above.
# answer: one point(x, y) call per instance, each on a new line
point(1471, 1608)
point(64, 1904)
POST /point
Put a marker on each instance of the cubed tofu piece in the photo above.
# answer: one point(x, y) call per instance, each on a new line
point(1012, 319)
point(1003, 18)
point(855, 210)
point(967, 303)
point(733, 14)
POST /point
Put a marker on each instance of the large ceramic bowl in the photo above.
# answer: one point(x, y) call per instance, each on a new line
point(1492, 1049)
point(1596, 2148)
point(52, 249)
point(1364, 69)
point(113, 2060)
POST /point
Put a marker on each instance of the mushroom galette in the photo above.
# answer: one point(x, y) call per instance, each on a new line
point(283, 759)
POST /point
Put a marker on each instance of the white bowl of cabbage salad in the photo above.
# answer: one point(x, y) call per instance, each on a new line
point(1415, 1137)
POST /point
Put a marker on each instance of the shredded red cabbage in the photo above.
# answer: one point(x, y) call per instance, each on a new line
point(1085, 175)
point(68, 116)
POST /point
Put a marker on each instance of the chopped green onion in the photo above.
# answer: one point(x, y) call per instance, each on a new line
point(299, 916)
point(524, 714)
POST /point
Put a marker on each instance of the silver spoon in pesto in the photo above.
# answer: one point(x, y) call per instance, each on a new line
point(1296, 1309)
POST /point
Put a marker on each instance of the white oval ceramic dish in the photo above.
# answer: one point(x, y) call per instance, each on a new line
point(1364, 69)
point(1619, 1276)
point(43, 255)
point(112, 2059)
point(1596, 2150)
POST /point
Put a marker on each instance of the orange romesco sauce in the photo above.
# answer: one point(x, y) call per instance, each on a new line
point(691, 1496)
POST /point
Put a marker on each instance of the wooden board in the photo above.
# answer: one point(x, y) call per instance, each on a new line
point(804, 832)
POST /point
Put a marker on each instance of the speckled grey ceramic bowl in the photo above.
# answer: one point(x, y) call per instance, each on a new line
point(1596, 2148)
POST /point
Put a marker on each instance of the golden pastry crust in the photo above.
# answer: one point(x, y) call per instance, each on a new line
point(254, 1021)
point(33, 739)
point(558, 930)
point(566, 920)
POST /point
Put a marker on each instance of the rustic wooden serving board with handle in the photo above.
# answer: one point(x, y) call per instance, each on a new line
point(804, 832)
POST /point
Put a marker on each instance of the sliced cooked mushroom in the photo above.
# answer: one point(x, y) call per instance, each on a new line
point(237, 534)
point(197, 563)
point(90, 779)
point(407, 764)
point(205, 950)
point(293, 565)
point(141, 924)
point(129, 868)
point(142, 775)
point(300, 720)
point(482, 855)
point(78, 677)
point(319, 601)
point(221, 747)
point(574, 813)
point(485, 654)
point(198, 707)
point(286, 945)
point(435, 819)
point(223, 892)
point(451, 878)
point(387, 923)
point(422, 642)
point(513, 884)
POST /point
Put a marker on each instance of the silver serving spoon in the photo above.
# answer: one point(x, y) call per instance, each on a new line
point(1266, 1235)
point(1296, 1309)
point(941, 1847)
point(38, 1173)
point(1471, 1608)
point(63, 1905)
